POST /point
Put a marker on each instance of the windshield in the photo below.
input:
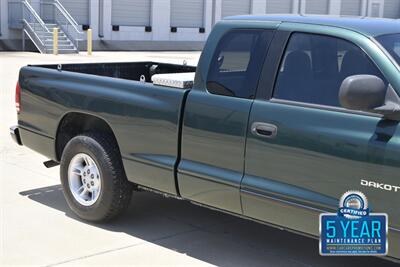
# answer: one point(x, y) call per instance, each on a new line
point(391, 43)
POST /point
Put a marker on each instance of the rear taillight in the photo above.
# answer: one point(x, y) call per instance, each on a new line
point(18, 98)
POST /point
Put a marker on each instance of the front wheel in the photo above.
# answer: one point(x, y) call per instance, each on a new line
point(93, 179)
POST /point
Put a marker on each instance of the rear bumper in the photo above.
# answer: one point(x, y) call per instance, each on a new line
point(14, 132)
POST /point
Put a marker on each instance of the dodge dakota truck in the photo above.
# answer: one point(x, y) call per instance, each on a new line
point(283, 115)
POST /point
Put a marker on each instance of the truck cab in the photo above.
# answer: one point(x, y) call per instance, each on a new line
point(266, 133)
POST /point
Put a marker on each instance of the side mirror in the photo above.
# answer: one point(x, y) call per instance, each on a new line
point(369, 93)
point(362, 92)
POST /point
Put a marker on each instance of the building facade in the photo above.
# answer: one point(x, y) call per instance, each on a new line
point(178, 24)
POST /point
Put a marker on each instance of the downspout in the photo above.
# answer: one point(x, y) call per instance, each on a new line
point(214, 5)
point(101, 18)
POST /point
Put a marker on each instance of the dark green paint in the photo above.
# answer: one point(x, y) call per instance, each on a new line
point(364, 25)
point(203, 143)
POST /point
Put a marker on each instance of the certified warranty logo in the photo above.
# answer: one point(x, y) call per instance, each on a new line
point(353, 230)
point(353, 205)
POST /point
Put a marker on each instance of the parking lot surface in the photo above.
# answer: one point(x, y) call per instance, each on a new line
point(37, 227)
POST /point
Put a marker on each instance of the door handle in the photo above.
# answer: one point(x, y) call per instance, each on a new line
point(264, 130)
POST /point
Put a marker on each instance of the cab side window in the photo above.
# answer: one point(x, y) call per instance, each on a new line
point(314, 67)
point(236, 64)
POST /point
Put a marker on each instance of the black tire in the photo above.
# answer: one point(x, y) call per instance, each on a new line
point(116, 190)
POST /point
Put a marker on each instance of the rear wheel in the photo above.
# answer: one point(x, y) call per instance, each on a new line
point(93, 179)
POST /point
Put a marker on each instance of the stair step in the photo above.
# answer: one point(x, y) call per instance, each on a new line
point(60, 41)
point(61, 46)
point(47, 24)
point(38, 26)
point(49, 33)
point(63, 51)
point(50, 38)
point(63, 42)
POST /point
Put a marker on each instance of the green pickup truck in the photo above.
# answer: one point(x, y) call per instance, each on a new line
point(283, 115)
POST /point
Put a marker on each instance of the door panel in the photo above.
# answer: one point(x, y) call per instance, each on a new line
point(187, 13)
point(391, 9)
point(351, 8)
point(319, 150)
point(316, 156)
point(215, 121)
point(130, 12)
point(279, 6)
point(233, 7)
point(79, 10)
point(317, 7)
point(213, 140)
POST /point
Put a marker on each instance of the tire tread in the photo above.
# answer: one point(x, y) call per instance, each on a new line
point(122, 195)
point(122, 188)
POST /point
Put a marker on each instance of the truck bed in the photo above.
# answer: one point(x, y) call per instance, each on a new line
point(123, 70)
point(135, 110)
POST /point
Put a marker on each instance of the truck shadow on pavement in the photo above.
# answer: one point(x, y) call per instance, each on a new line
point(207, 235)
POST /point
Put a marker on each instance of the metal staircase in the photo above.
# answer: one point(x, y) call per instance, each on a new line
point(39, 27)
point(65, 45)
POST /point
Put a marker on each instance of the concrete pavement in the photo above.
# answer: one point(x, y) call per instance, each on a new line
point(37, 227)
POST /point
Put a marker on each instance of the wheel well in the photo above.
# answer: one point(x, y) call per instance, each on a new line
point(74, 124)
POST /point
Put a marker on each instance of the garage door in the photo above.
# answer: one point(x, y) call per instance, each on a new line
point(351, 7)
point(317, 6)
point(279, 6)
point(79, 10)
point(130, 12)
point(391, 9)
point(187, 13)
point(234, 7)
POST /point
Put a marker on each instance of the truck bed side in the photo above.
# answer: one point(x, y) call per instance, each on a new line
point(142, 116)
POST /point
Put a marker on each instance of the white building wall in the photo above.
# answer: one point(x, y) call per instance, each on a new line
point(351, 8)
point(94, 18)
point(217, 10)
point(160, 20)
point(296, 6)
point(375, 8)
point(208, 20)
point(391, 8)
point(258, 6)
point(3, 19)
point(6, 32)
point(160, 24)
point(334, 7)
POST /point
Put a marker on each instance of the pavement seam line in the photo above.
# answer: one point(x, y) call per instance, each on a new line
point(120, 248)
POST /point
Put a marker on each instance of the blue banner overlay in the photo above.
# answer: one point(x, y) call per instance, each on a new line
point(362, 236)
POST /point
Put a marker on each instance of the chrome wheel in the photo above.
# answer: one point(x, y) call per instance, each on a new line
point(84, 179)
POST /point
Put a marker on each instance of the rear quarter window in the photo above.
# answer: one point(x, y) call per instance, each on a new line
point(236, 64)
